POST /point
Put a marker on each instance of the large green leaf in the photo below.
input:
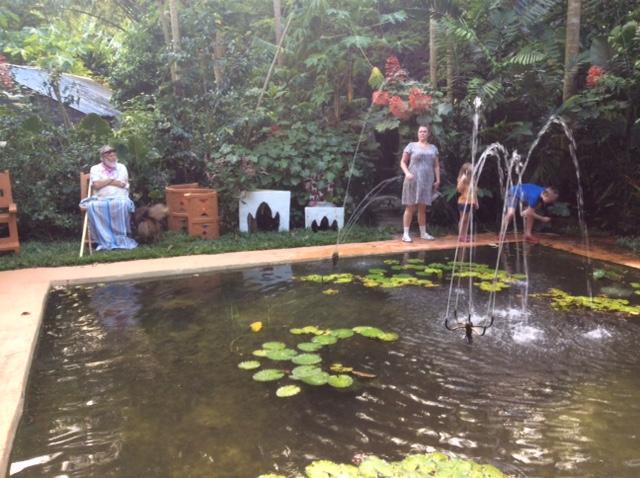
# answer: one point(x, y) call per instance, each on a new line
point(268, 375)
point(307, 359)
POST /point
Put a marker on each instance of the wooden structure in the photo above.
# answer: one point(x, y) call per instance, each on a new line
point(193, 209)
point(8, 216)
point(85, 191)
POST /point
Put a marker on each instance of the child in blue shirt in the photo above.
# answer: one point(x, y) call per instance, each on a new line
point(531, 196)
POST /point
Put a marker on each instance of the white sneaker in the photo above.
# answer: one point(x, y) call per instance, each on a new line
point(406, 238)
point(427, 237)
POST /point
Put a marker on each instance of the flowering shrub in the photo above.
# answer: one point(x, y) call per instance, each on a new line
point(398, 107)
point(419, 101)
point(593, 75)
point(391, 67)
point(380, 98)
point(403, 97)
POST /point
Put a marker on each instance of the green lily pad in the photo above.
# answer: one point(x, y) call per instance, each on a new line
point(306, 359)
point(267, 375)
point(288, 391)
point(259, 353)
point(377, 271)
point(284, 354)
point(249, 365)
point(342, 333)
point(303, 371)
point(309, 346)
point(391, 262)
point(309, 329)
point(316, 379)
point(388, 336)
point(339, 368)
point(415, 261)
point(329, 469)
point(273, 345)
point(340, 381)
point(369, 332)
point(324, 339)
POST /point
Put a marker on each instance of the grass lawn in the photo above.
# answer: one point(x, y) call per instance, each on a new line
point(65, 253)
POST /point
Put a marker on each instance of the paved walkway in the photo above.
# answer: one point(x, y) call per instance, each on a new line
point(23, 294)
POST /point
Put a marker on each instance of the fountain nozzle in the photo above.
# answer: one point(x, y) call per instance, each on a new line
point(468, 326)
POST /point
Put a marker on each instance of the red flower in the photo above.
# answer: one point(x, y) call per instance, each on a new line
point(419, 101)
point(391, 67)
point(398, 107)
point(380, 98)
point(5, 73)
point(593, 75)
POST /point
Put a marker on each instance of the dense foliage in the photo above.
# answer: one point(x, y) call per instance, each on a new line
point(351, 84)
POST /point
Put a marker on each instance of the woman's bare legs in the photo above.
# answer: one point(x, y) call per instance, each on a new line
point(407, 217)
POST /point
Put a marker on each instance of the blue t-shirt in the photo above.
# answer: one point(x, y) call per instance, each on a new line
point(527, 193)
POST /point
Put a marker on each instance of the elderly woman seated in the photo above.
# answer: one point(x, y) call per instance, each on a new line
point(109, 208)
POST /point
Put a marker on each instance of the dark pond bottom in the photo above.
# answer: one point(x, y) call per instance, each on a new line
point(141, 379)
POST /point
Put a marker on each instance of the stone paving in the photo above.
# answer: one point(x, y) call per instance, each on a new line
point(23, 294)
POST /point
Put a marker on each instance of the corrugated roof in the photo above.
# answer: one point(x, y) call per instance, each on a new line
point(81, 94)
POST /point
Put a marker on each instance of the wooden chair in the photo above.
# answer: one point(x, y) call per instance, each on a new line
point(85, 191)
point(8, 215)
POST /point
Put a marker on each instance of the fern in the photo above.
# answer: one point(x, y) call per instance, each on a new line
point(529, 55)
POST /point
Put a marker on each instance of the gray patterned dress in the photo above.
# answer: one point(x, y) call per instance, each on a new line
point(422, 161)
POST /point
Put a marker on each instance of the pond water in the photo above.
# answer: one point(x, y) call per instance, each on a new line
point(141, 379)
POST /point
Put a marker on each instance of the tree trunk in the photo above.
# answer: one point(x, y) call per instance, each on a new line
point(175, 39)
point(218, 56)
point(349, 79)
point(166, 32)
point(450, 69)
point(433, 52)
point(278, 27)
point(572, 47)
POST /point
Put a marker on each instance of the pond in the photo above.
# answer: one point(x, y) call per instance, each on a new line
point(142, 379)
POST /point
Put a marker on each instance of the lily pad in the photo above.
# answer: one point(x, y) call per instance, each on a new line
point(324, 339)
point(377, 271)
point(306, 359)
point(268, 375)
point(309, 346)
point(391, 262)
point(342, 333)
point(316, 379)
point(288, 391)
point(388, 336)
point(329, 469)
point(309, 329)
point(369, 332)
point(330, 291)
point(284, 354)
point(260, 353)
point(340, 381)
point(303, 371)
point(249, 365)
point(339, 368)
point(415, 261)
point(273, 345)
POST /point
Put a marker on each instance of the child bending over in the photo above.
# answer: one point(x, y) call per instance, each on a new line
point(531, 196)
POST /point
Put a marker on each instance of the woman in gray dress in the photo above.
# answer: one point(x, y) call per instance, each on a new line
point(421, 167)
